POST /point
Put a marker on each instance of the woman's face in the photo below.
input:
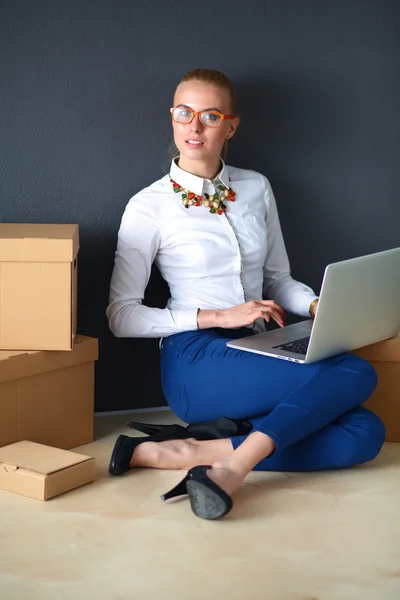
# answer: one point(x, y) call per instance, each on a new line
point(195, 141)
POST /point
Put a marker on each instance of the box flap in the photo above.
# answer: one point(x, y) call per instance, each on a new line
point(38, 458)
point(386, 351)
point(36, 242)
point(18, 364)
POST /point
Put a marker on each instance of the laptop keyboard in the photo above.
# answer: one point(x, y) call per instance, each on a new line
point(298, 346)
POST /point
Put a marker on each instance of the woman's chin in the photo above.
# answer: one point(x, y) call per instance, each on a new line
point(200, 153)
point(186, 150)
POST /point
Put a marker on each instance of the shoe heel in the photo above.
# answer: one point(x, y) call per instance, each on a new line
point(178, 490)
point(146, 428)
point(207, 499)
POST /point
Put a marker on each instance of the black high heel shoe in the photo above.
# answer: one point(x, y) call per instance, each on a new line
point(206, 430)
point(125, 446)
point(207, 499)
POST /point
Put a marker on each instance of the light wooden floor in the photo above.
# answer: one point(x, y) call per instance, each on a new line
point(308, 536)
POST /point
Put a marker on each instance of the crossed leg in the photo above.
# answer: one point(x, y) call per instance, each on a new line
point(308, 417)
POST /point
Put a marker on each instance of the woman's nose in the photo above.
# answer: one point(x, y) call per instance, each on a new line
point(196, 124)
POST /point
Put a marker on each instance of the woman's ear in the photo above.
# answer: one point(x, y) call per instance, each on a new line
point(232, 127)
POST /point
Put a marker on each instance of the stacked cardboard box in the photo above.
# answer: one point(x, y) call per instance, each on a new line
point(38, 282)
point(385, 401)
point(46, 369)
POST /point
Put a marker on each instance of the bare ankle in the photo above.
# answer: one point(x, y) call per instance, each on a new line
point(228, 474)
point(231, 463)
point(256, 447)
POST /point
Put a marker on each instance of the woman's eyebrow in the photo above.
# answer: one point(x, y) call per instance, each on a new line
point(210, 108)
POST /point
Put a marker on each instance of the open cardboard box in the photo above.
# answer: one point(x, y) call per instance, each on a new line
point(385, 401)
point(42, 472)
point(38, 286)
point(48, 397)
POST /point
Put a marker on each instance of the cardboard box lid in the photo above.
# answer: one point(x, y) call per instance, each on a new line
point(38, 458)
point(18, 364)
point(36, 242)
point(386, 351)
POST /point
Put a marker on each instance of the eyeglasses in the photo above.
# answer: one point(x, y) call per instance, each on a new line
point(208, 118)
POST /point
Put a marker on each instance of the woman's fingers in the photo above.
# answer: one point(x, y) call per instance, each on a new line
point(277, 316)
point(271, 304)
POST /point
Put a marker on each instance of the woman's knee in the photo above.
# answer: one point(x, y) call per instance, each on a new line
point(371, 434)
point(363, 370)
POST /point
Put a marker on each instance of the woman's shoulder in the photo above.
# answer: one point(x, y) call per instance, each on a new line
point(239, 175)
point(152, 191)
point(252, 182)
point(148, 198)
point(143, 208)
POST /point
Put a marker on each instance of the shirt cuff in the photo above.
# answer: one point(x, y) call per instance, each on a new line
point(306, 305)
point(185, 319)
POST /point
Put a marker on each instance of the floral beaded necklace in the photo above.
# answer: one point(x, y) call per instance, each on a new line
point(214, 202)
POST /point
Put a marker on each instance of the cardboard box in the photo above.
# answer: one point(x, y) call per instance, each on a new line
point(42, 472)
point(48, 397)
point(38, 286)
point(385, 401)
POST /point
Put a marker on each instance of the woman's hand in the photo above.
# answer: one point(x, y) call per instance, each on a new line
point(241, 315)
point(314, 308)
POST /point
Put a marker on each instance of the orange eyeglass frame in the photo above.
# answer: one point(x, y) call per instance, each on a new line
point(197, 114)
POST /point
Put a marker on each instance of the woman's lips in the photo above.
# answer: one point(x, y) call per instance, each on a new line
point(194, 143)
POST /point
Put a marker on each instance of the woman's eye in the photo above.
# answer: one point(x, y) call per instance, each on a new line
point(210, 117)
point(184, 113)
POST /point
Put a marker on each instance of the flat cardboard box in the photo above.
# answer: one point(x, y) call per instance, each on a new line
point(48, 397)
point(42, 472)
point(385, 401)
point(38, 286)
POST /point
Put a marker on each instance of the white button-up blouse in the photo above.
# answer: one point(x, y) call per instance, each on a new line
point(209, 261)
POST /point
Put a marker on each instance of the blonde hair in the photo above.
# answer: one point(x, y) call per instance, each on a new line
point(218, 79)
point(215, 78)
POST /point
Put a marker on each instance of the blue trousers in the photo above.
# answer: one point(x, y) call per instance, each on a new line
point(312, 412)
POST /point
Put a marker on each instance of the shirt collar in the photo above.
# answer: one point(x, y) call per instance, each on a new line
point(194, 183)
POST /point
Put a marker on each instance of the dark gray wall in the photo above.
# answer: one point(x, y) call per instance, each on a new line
point(85, 92)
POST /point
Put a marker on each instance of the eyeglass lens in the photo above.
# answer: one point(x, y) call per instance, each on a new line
point(208, 118)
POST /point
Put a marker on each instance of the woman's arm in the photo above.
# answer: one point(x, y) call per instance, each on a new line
point(293, 296)
point(138, 243)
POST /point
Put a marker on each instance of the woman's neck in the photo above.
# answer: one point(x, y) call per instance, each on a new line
point(207, 170)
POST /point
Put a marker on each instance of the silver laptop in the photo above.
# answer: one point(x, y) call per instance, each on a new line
point(359, 305)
